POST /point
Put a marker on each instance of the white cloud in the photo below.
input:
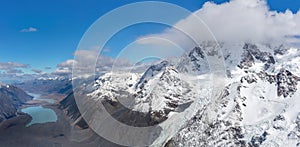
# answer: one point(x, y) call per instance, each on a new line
point(67, 63)
point(30, 29)
point(12, 65)
point(63, 71)
point(85, 60)
point(64, 68)
point(13, 71)
point(235, 21)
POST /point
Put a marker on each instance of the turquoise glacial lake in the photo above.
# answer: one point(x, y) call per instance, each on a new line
point(40, 115)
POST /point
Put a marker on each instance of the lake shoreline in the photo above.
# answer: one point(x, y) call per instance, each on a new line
point(14, 133)
point(39, 115)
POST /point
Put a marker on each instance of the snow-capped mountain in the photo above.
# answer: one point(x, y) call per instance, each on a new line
point(259, 104)
point(163, 88)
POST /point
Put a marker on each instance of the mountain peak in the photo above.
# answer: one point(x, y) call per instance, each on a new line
point(151, 72)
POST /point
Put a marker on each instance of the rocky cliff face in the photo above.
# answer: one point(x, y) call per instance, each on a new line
point(11, 98)
point(194, 62)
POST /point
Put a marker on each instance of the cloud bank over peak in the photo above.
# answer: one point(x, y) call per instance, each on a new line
point(238, 21)
point(235, 21)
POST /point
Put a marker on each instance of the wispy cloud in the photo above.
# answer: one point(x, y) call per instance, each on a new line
point(37, 71)
point(12, 65)
point(12, 71)
point(30, 29)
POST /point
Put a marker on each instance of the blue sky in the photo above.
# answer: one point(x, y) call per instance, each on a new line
point(60, 25)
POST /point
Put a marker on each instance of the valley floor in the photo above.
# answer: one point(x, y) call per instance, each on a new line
point(13, 132)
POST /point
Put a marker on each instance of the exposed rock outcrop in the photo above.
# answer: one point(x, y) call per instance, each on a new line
point(11, 98)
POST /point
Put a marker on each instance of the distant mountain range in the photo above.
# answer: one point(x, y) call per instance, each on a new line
point(46, 85)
